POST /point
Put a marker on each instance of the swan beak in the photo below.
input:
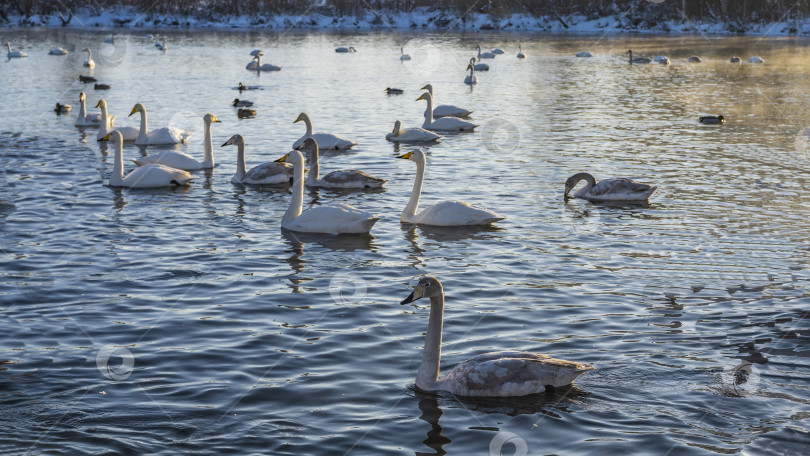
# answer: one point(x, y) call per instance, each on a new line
point(134, 110)
point(406, 156)
point(417, 293)
point(227, 143)
point(298, 119)
point(423, 88)
point(214, 119)
point(99, 104)
point(283, 159)
point(106, 138)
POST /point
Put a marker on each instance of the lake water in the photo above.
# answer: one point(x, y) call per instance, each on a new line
point(185, 321)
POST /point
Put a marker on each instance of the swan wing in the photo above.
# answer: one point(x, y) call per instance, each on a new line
point(450, 111)
point(452, 124)
point(350, 178)
point(168, 135)
point(414, 134)
point(270, 173)
point(173, 159)
point(454, 213)
point(156, 175)
point(621, 189)
point(326, 141)
point(333, 218)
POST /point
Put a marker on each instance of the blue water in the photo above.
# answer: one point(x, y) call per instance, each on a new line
point(176, 321)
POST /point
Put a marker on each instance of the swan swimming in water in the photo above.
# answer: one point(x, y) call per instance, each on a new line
point(148, 176)
point(262, 67)
point(411, 135)
point(165, 135)
point(755, 60)
point(326, 141)
point(443, 213)
point(495, 374)
point(478, 66)
point(58, 51)
point(344, 178)
point(446, 110)
point(520, 53)
point(404, 56)
point(89, 62)
point(184, 161)
point(637, 59)
point(442, 123)
point(616, 189)
point(106, 127)
point(471, 78)
point(497, 51)
point(333, 218)
point(484, 55)
point(14, 54)
point(85, 119)
point(345, 49)
point(270, 173)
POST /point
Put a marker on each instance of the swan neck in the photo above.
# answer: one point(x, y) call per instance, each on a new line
point(416, 192)
point(309, 125)
point(143, 131)
point(83, 110)
point(240, 162)
point(428, 112)
point(297, 201)
point(208, 148)
point(314, 166)
point(428, 374)
point(117, 177)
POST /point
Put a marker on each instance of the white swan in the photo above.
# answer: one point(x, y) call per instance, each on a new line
point(58, 51)
point(484, 55)
point(107, 121)
point(443, 123)
point(662, 59)
point(446, 110)
point(411, 135)
point(404, 56)
point(616, 189)
point(584, 54)
point(326, 141)
point(345, 49)
point(270, 173)
point(262, 67)
point(478, 66)
point(520, 53)
point(14, 54)
point(89, 62)
point(333, 218)
point(184, 161)
point(85, 119)
point(637, 59)
point(165, 135)
point(497, 51)
point(471, 78)
point(147, 176)
point(495, 374)
point(344, 178)
point(444, 213)
point(755, 60)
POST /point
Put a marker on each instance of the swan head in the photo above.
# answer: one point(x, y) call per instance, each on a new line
point(113, 136)
point(208, 118)
point(293, 157)
point(302, 117)
point(101, 103)
point(256, 52)
point(472, 60)
point(397, 127)
point(424, 96)
point(428, 287)
point(416, 156)
point(137, 108)
point(574, 180)
point(235, 140)
point(428, 87)
point(309, 144)
point(82, 96)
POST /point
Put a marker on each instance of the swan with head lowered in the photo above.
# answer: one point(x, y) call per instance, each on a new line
point(344, 178)
point(494, 374)
point(446, 110)
point(91, 119)
point(148, 176)
point(184, 161)
point(89, 62)
point(444, 213)
point(442, 123)
point(333, 218)
point(609, 190)
point(471, 78)
point(165, 135)
point(270, 173)
point(326, 141)
point(411, 135)
point(128, 133)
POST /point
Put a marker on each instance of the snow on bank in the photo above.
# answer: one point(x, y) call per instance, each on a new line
point(420, 18)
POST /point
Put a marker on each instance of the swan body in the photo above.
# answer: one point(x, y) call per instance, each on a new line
point(497, 51)
point(180, 160)
point(478, 66)
point(735, 59)
point(237, 103)
point(326, 141)
point(89, 62)
point(712, 120)
point(262, 67)
point(446, 110)
point(411, 135)
point(106, 126)
point(404, 56)
point(14, 54)
point(584, 54)
point(344, 178)
point(445, 213)
point(345, 49)
point(694, 59)
point(637, 59)
point(616, 189)
point(521, 54)
point(495, 374)
point(471, 78)
point(162, 46)
point(755, 60)
point(58, 51)
point(270, 173)
point(148, 176)
point(85, 119)
point(484, 55)
point(443, 123)
point(334, 218)
point(165, 135)
point(662, 59)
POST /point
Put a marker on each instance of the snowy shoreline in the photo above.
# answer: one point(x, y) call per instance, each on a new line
point(419, 19)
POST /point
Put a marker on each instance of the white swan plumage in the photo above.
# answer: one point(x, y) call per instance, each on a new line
point(495, 374)
point(333, 218)
point(165, 135)
point(89, 62)
point(148, 176)
point(58, 51)
point(521, 54)
point(755, 60)
point(345, 49)
point(85, 119)
point(446, 110)
point(182, 160)
point(326, 141)
point(14, 54)
point(411, 135)
point(471, 78)
point(257, 64)
point(443, 123)
point(607, 190)
point(497, 51)
point(484, 55)
point(478, 66)
point(270, 173)
point(444, 213)
point(106, 126)
point(344, 178)
point(404, 56)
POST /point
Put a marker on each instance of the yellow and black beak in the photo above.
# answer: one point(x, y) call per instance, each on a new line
point(283, 159)
point(99, 104)
point(406, 156)
point(107, 137)
point(134, 110)
point(214, 119)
